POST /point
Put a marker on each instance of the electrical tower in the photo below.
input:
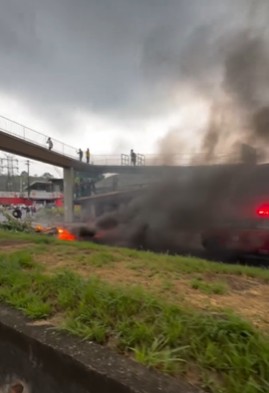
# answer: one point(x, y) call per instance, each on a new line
point(9, 166)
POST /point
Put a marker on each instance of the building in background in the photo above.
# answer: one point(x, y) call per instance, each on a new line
point(15, 191)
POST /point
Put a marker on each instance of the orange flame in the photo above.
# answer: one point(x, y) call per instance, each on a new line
point(64, 234)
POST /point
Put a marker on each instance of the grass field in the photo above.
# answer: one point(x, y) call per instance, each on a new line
point(206, 322)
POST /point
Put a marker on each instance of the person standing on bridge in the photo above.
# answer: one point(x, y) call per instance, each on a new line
point(133, 158)
point(80, 154)
point(88, 155)
point(50, 144)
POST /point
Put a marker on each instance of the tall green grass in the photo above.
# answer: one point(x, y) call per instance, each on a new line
point(230, 356)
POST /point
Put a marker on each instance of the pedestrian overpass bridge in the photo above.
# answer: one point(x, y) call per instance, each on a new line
point(23, 141)
point(112, 164)
point(18, 139)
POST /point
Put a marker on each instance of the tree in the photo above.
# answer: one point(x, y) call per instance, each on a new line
point(24, 174)
point(47, 175)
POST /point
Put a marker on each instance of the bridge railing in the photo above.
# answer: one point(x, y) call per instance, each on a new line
point(30, 135)
point(186, 160)
point(164, 160)
point(104, 159)
point(125, 159)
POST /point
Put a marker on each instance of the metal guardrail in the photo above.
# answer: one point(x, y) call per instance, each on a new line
point(125, 159)
point(30, 135)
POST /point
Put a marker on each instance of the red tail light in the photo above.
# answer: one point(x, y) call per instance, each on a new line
point(263, 210)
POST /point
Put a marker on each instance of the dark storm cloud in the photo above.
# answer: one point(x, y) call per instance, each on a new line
point(126, 58)
point(114, 57)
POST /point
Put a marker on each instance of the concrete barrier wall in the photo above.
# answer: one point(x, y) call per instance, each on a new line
point(44, 369)
point(47, 361)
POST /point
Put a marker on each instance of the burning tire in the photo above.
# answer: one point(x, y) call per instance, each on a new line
point(17, 213)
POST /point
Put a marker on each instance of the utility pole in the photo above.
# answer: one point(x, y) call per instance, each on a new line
point(28, 177)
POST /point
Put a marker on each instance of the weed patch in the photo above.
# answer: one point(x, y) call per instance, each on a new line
point(102, 259)
point(160, 355)
point(216, 288)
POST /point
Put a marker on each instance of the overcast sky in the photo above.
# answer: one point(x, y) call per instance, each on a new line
point(114, 74)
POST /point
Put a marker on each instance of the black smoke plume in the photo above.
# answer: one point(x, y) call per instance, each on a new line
point(233, 76)
point(172, 215)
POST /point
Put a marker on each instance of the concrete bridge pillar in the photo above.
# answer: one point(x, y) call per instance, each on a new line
point(68, 194)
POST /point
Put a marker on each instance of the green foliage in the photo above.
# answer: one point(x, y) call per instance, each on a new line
point(101, 258)
point(210, 288)
point(94, 330)
point(160, 355)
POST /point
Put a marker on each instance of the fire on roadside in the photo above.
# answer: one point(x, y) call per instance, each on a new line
point(60, 232)
point(64, 234)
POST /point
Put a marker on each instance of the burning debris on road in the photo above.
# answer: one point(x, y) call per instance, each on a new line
point(59, 232)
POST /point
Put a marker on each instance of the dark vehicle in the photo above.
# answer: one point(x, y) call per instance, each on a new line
point(240, 237)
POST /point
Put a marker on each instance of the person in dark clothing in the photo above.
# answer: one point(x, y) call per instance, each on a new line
point(80, 154)
point(133, 157)
point(50, 144)
point(88, 156)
